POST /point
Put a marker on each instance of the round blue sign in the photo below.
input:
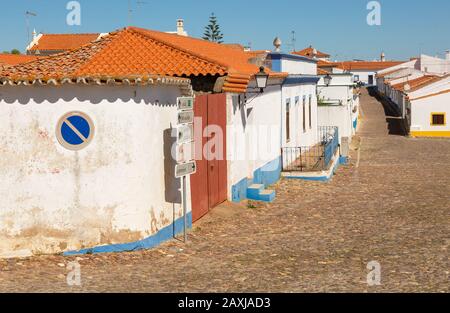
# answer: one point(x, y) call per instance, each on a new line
point(75, 130)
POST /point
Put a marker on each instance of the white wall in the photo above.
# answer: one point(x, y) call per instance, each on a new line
point(253, 133)
point(341, 103)
point(112, 191)
point(409, 64)
point(298, 67)
point(299, 137)
point(421, 113)
point(433, 65)
point(337, 115)
point(364, 75)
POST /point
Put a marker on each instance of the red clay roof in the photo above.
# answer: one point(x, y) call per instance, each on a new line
point(366, 65)
point(322, 63)
point(63, 42)
point(14, 59)
point(417, 83)
point(322, 71)
point(390, 72)
point(431, 95)
point(134, 53)
point(309, 52)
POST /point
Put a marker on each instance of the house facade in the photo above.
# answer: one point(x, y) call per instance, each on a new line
point(339, 104)
point(119, 193)
point(86, 157)
point(418, 90)
point(429, 110)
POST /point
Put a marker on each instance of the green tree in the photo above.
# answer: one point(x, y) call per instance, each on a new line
point(212, 30)
point(13, 51)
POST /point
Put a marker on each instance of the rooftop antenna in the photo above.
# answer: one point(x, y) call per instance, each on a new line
point(293, 40)
point(28, 14)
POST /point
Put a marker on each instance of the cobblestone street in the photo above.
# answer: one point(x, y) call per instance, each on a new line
point(391, 204)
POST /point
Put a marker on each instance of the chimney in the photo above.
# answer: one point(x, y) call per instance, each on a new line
point(180, 27)
point(447, 55)
point(383, 57)
point(34, 35)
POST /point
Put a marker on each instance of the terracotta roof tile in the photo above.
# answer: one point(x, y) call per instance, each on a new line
point(309, 52)
point(135, 52)
point(390, 72)
point(417, 83)
point(322, 63)
point(322, 72)
point(63, 42)
point(432, 95)
point(366, 65)
point(14, 59)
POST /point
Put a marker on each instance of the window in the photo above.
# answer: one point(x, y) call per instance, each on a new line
point(438, 119)
point(356, 78)
point(310, 110)
point(304, 114)
point(75, 130)
point(288, 120)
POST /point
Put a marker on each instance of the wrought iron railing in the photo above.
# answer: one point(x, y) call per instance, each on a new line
point(313, 158)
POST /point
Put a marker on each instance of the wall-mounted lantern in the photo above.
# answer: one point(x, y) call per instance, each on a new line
point(261, 79)
point(327, 80)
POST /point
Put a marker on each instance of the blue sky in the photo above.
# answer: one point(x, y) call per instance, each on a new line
point(338, 27)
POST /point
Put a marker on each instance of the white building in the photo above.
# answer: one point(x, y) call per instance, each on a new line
point(288, 114)
point(338, 103)
point(418, 89)
point(86, 160)
point(429, 110)
point(118, 192)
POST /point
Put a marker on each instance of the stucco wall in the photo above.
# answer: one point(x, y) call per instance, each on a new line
point(253, 133)
point(113, 191)
point(298, 67)
point(421, 113)
point(364, 75)
point(299, 137)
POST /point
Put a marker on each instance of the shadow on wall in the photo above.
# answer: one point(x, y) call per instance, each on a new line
point(172, 184)
point(238, 104)
point(393, 116)
point(92, 94)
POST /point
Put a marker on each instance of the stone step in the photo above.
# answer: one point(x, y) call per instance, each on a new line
point(267, 195)
point(254, 190)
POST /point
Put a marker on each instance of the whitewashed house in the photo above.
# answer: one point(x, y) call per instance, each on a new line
point(115, 99)
point(417, 88)
point(338, 103)
point(85, 157)
point(428, 109)
point(288, 113)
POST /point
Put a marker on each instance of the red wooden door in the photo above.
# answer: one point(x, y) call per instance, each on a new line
point(209, 184)
point(199, 181)
point(214, 148)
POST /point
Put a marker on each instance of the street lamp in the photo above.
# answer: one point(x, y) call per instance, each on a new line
point(261, 79)
point(327, 80)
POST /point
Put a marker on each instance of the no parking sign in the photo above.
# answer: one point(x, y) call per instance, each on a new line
point(75, 130)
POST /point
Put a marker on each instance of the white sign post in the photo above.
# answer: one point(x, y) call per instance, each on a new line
point(185, 137)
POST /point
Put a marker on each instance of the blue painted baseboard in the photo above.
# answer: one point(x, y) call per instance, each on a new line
point(269, 174)
point(266, 175)
point(163, 235)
